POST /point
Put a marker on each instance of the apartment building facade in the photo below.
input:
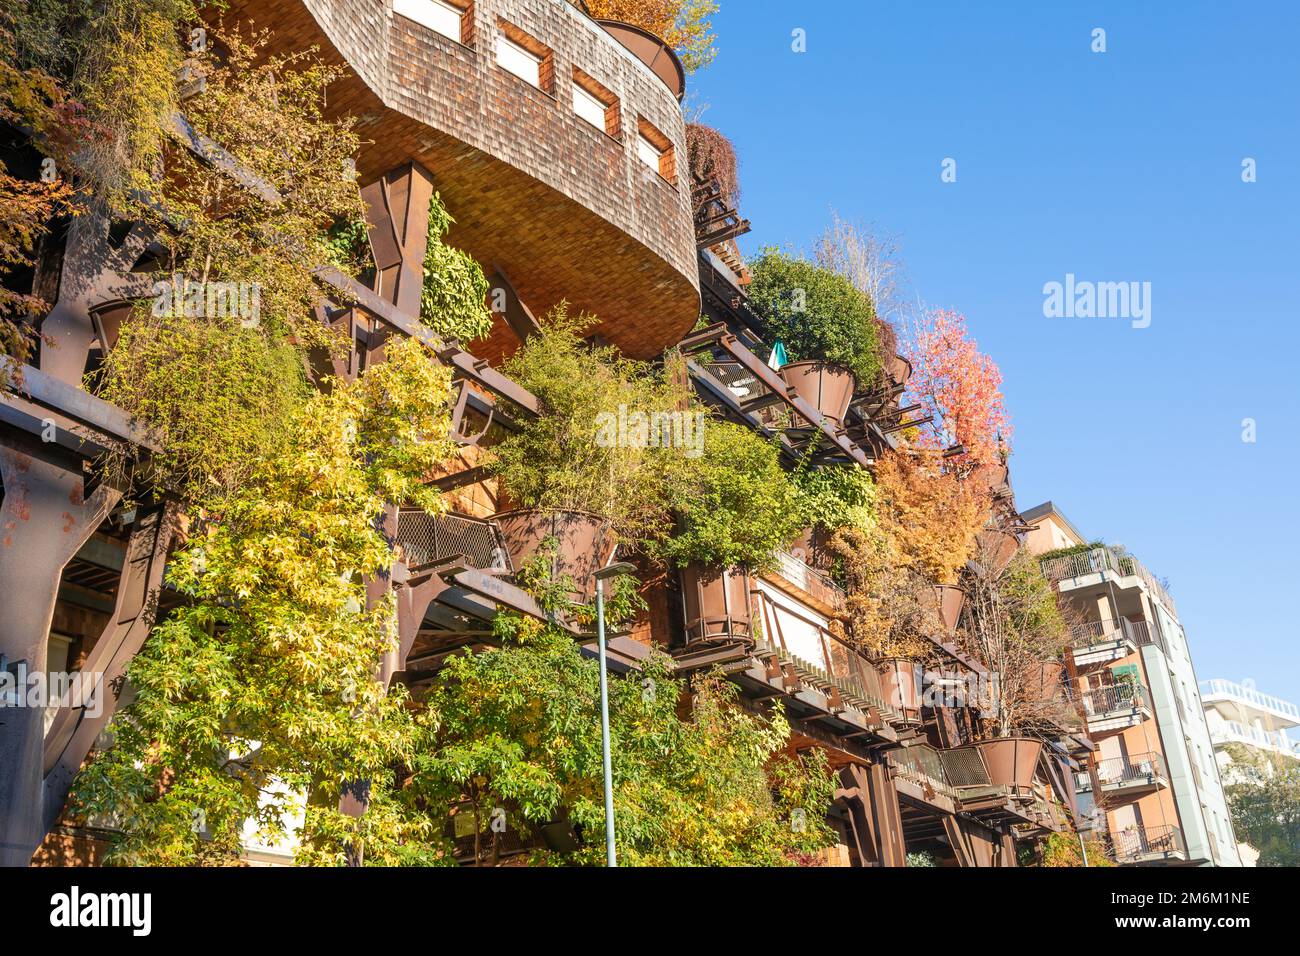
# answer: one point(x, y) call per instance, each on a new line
point(1154, 778)
point(1249, 733)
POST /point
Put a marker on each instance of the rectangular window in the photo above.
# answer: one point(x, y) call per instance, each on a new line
point(437, 15)
point(515, 59)
point(648, 153)
point(656, 150)
point(588, 107)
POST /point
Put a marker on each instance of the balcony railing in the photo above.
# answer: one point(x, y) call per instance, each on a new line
point(1136, 844)
point(1230, 731)
point(840, 666)
point(1121, 772)
point(1102, 701)
point(809, 580)
point(1248, 695)
point(1097, 560)
point(922, 765)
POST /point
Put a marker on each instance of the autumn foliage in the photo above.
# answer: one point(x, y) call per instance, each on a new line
point(684, 24)
point(930, 515)
point(959, 386)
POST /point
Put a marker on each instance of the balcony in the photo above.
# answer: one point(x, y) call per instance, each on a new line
point(808, 584)
point(1115, 707)
point(558, 206)
point(1233, 732)
point(1105, 562)
point(1284, 712)
point(1133, 775)
point(922, 767)
point(1100, 642)
point(847, 679)
point(1138, 845)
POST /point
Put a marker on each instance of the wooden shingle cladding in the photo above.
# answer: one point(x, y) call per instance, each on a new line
point(563, 208)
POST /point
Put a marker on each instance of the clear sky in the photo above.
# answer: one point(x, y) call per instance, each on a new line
point(1117, 166)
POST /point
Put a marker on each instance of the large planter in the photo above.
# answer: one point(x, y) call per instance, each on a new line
point(826, 387)
point(949, 600)
point(716, 604)
point(900, 370)
point(584, 542)
point(900, 680)
point(1011, 761)
point(1051, 681)
point(997, 548)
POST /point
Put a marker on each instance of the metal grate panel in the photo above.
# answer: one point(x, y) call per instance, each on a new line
point(426, 539)
point(964, 767)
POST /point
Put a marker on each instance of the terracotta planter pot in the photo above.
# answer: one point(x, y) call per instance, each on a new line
point(900, 370)
point(900, 680)
point(949, 599)
point(997, 547)
point(1011, 761)
point(826, 387)
point(716, 603)
point(584, 542)
point(1051, 681)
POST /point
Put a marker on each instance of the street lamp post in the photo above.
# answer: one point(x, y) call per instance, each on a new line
point(622, 567)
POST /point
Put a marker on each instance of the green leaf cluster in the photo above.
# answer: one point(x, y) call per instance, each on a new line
point(454, 288)
point(261, 685)
point(818, 314)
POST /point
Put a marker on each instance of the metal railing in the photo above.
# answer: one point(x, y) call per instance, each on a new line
point(1226, 688)
point(841, 667)
point(809, 580)
point(1101, 701)
point(1095, 560)
point(922, 765)
point(1135, 843)
point(426, 539)
point(1133, 769)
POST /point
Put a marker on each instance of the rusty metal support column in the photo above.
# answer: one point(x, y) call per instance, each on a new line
point(45, 519)
point(75, 729)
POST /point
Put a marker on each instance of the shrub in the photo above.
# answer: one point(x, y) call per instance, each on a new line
point(816, 313)
point(554, 461)
point(735, 504)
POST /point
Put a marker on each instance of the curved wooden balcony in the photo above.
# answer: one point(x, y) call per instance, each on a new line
point(561, 209)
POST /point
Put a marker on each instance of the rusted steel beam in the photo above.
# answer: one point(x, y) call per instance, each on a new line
point(518, 316)
point(718, 335)
point(75, 730)
point(78, 404)
point(397, 206)
point(45, 518)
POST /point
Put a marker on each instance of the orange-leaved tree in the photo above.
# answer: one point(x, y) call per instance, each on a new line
point(960, 387)
point(930, 516)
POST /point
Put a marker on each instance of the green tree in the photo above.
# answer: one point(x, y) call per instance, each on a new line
point(261, 686)
point(818, 314)
point(1266, 814)
point(518, 728)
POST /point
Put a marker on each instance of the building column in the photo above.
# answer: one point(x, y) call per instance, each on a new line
point(45, 519)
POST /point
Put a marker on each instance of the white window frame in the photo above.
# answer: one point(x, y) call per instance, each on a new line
point(584, 100)
point(439, 16)
point(518, 61)
point(648, 152)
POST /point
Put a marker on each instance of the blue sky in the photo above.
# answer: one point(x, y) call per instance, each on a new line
point(1115, 166)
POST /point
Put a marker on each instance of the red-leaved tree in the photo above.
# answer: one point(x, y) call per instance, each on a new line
point(959, 386)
